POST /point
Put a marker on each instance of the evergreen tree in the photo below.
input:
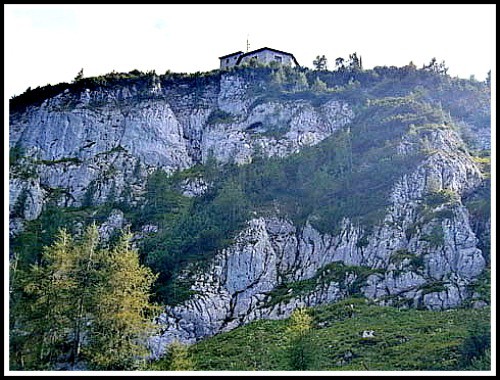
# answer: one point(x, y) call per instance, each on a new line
point(339, 64)
point(81, 301)
point(300, 82)
point(320, 63)
point(279, 77)
point(318, 85)
point(15, 308)
point(301, 350)
point(44, 310)
point(434, 66)
point(480, 363)
point(354, 63)
point(87, 261)
point(230, 206)
point(79, 76)
point(122, 316)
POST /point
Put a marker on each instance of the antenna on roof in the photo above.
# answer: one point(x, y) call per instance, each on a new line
point(248, 44)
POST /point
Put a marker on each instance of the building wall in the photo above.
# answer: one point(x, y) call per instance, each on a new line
point(229, 61)
point(268, 56)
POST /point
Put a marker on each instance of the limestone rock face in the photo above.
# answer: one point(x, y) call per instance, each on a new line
point(275, 129)
point(89, 147)
point(27, 196)
point(194, 187)
point(102, 144)
point(406, 270)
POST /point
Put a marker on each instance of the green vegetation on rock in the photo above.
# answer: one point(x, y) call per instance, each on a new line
point(404, 340)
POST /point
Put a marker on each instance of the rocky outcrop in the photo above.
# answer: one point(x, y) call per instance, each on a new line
point(274, 129)
point(26, 198)
point(271, 253)
point(193, 187)
point(83, 148)
point(112, 225)
point(422, 255)
point(102, 144)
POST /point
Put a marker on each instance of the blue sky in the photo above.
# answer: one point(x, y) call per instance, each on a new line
point(51, 43)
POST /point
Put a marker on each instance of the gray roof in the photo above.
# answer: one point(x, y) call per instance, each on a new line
point(266, 48)
point(230, 55)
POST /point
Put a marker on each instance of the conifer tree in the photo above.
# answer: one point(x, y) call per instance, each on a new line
point(79, 76)
point(301, 83)
point(279, 77)
point(46, 307)
point(318, 85)
point(87, 259)
point(122, 316)
point(301, 349)
point(320, 63)
point(82, 301)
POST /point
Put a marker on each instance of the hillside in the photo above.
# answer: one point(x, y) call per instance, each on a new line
point(255, 191)
point(403, 340)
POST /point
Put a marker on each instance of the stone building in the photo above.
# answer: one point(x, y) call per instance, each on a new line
point(264, 56)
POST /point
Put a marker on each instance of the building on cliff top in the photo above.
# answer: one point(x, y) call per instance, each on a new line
point(264, 55)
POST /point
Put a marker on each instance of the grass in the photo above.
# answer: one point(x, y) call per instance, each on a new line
point(404, 340)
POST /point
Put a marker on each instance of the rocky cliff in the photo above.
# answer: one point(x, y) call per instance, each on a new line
point(275, 267)
point(96, 145)
point(92, 145)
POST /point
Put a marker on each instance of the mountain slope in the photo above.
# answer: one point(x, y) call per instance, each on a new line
point(403, 340)
point(253, 192)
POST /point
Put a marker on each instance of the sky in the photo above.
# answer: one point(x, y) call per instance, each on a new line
point(49, 44)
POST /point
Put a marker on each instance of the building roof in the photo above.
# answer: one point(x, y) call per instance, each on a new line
point(229, 55)
point(261, 49)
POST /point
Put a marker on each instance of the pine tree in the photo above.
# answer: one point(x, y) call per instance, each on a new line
point(320, 63)
point(79, 76)
point(488, 79)
point(44, 320)
point(122, 316)
point(339, 64)
point(81, 301)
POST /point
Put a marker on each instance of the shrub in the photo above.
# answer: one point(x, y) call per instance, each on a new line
point(219, 116)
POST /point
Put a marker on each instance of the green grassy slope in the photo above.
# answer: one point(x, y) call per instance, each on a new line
point(403, 340)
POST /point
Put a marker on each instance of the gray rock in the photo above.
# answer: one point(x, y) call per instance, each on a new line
point(272, 251)
point(103, 143)
point(194, 187)
point(28, 196)
point(113, 224)
point(451, 297)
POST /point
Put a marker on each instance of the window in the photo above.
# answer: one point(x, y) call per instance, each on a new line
point(278, 58)
point(227, 60)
